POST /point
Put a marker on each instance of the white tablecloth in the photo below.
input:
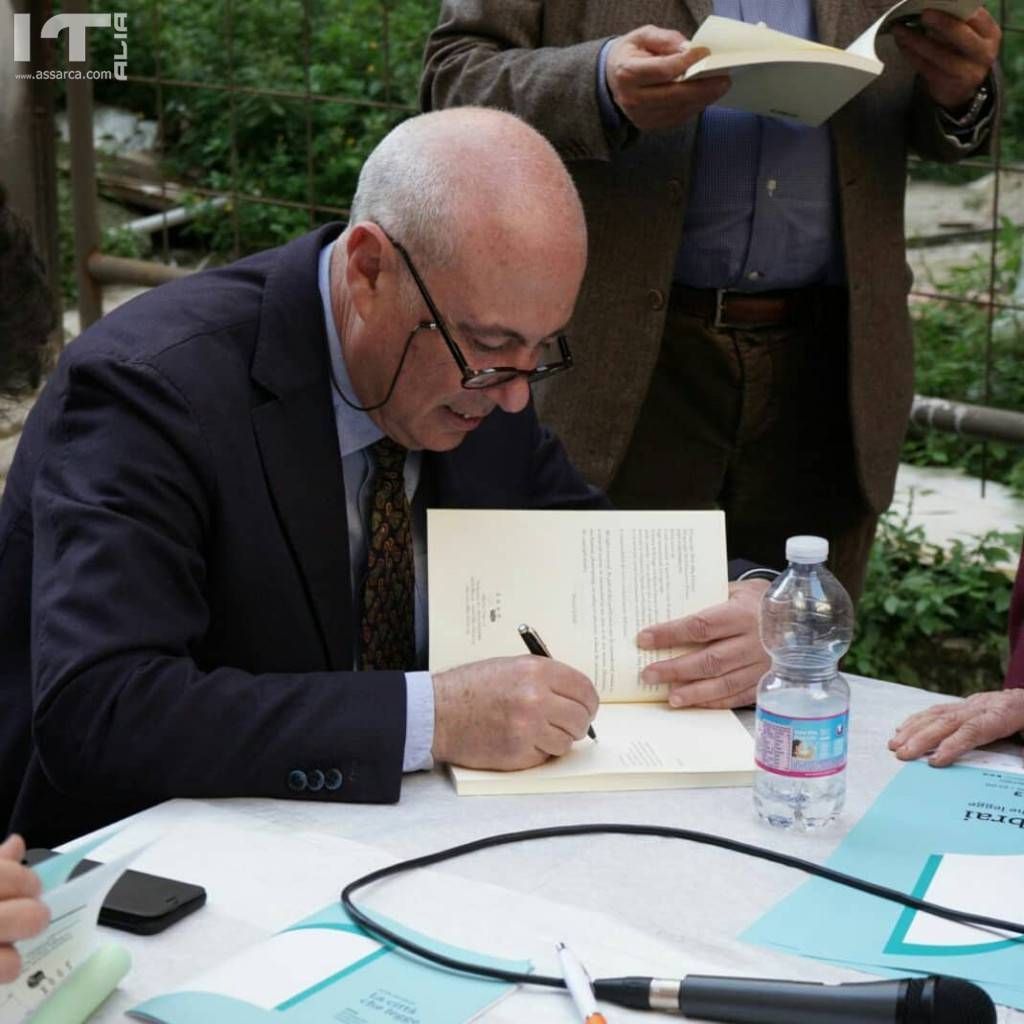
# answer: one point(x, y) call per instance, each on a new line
point(696, 898)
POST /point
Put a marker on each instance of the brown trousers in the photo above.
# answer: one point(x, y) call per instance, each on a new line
point(755, 422)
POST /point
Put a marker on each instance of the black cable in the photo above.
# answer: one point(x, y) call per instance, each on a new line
point(706, 838)
point(423, 325)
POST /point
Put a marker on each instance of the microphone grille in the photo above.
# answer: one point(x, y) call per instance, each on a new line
point(944, 1000)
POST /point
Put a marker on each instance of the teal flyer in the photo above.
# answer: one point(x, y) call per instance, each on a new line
point(953, 837)
point(326, 970)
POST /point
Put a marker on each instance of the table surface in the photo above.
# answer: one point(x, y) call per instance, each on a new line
point(691, 897)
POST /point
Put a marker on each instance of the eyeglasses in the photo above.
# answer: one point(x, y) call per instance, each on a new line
point(491, 376)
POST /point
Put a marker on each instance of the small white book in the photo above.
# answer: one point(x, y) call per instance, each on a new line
point(588, 581)
point(786, 76)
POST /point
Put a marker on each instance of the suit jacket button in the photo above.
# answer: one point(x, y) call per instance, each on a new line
point(333, 779)
point(656, 299)
point(316, 780)
point(297, 781)
point(675, 191)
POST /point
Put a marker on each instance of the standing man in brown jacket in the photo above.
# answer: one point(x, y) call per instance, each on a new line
point(748, 344)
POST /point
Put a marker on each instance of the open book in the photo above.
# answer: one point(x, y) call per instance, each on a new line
point(588, 582)
point(776, 73)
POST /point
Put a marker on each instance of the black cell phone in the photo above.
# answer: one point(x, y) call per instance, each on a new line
point(139, 903)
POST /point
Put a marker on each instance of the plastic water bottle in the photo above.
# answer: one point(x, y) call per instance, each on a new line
point(803, 703)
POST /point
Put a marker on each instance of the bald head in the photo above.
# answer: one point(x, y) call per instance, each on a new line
point(453, 181)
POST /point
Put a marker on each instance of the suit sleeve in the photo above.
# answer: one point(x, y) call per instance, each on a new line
point(928, 136)
point(125, 706)
point(488, 54)
point(554, 481)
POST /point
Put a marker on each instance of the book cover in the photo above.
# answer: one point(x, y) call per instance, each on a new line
point(782, 75)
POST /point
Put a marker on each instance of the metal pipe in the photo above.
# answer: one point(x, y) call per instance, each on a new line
point(172, 218)
point(83, 182)
point(105, 269)
point(975, 421)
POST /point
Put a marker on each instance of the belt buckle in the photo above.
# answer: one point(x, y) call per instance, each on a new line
point(718, 323)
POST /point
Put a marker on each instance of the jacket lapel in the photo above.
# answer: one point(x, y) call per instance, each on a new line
point(297, 438)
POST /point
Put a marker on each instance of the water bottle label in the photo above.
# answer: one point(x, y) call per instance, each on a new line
point(806, 748)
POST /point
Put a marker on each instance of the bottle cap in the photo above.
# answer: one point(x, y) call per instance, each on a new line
point(806, 550)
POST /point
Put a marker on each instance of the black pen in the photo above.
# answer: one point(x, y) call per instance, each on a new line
point(535, 645)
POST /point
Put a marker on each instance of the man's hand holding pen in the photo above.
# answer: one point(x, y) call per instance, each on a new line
point(535, 645)
point(510, 713)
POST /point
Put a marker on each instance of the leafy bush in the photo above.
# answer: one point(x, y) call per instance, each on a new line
point(366, 51)
point(114, 241)
point(931, 616)
point(950, 341)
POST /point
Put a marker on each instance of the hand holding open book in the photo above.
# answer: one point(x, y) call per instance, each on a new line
point(595, 580)
point(786, 76)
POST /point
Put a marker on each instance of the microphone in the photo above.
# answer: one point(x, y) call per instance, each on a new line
point(935, 999)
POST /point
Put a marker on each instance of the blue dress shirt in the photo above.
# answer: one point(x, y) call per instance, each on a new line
point(356, 432)
point(763, 206)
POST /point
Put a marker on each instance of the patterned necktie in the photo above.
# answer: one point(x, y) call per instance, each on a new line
point(388, 627)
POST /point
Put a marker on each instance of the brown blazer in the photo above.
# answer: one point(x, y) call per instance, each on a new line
point(539, 59)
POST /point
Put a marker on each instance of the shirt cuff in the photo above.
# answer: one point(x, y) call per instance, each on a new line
point(611, 117)
point(968, 131)
point(419, 722)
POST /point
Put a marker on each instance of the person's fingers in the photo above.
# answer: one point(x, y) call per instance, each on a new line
point(22, 919)
point(12, 848)
point(632, 70)
point(951, 75)
point(927, 737)
point(732, 690)
point(930, 56)
point(10, 964)
point(919, 719)
point(708, 661)
point(954, 746)
point(18, 880)
point(698, 93)
point(554, 741)
point(986, 26)
point(657, 40)
point(719, 621)
point(573, 685)
point(959, 36)
point(986, 724)
point(570, 716)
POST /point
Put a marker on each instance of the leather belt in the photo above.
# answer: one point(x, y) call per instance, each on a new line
point(721, 308)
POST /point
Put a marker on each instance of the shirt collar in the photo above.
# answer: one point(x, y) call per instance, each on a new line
point(356, 430)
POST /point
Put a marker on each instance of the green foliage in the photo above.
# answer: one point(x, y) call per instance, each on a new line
point(950, 341)
point(114, 241)
point(931, 616)
point(1011, 60)
point(365, 51)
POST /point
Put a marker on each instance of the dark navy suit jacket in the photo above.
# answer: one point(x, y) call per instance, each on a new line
point(175, 610)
